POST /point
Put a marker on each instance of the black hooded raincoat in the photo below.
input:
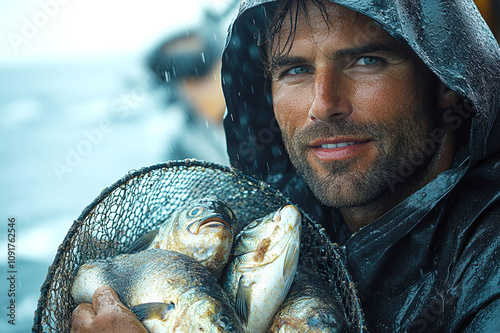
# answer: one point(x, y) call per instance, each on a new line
point(432, 263)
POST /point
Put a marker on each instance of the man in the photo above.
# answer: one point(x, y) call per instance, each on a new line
point(187, 66)
point(393, 127)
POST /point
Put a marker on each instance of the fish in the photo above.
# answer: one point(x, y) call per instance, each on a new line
point(204, 229)
point(262, 265)
point(168, 291)
point(309, 307)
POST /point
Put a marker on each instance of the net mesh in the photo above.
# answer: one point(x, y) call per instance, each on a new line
point(142, 199)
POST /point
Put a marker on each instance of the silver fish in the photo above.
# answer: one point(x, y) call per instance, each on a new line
point(204, 229)
point(166, 290)
point(309, 307)
point(262, 266)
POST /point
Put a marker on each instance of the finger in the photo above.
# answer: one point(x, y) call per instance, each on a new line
point(105, 297)
point(111, 315)
point(82, 317)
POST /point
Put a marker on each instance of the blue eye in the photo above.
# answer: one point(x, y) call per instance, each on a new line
point(298, 70)
point(368, 61)
point(195, 211)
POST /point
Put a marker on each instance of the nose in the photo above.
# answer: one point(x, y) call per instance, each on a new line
point(331, 96)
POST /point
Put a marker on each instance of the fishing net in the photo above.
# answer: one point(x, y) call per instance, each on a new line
point(142, 199)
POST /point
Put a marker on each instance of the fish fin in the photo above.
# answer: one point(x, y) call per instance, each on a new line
point(142, 242)
point(152, 310)
point(243, 299)
point(290, 260)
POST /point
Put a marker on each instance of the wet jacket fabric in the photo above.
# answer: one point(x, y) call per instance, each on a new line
point(432, 263)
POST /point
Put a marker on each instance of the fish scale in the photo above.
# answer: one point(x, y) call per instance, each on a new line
point(309, 306)
point(204, 229)
point(262, 266)
point(165, 288)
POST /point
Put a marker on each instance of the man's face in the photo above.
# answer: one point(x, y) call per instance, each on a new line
point(351, 107)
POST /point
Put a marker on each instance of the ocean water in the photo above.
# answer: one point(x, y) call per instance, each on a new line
point(68, 129)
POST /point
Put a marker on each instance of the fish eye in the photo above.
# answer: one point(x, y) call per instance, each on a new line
point(195, 211)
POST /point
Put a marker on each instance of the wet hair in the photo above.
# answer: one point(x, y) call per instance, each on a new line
point(287, 9)
point(270, 37)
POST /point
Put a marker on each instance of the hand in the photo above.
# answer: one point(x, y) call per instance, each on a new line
point(105, 314)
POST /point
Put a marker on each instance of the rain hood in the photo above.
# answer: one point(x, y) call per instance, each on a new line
point(453, 40)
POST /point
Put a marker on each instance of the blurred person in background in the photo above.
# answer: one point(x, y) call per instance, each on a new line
point(187, 66)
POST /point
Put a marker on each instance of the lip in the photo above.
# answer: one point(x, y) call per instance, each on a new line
point(354, 146)
point(211, 221)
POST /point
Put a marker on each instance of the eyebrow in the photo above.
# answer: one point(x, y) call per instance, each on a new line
point(393, 49)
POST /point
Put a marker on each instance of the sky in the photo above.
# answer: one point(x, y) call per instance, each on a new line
point(34, 30)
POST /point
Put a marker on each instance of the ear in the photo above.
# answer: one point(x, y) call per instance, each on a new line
point(447, 97)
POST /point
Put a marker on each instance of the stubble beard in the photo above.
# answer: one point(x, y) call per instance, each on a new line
point(341, 185)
